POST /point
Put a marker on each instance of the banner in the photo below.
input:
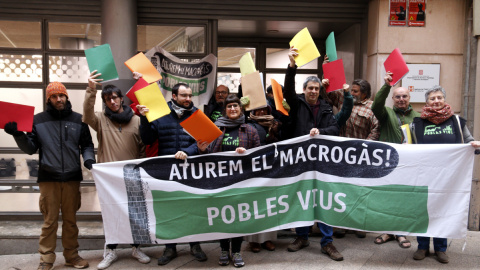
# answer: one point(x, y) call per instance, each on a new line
point(354, 184)
point(200, 76)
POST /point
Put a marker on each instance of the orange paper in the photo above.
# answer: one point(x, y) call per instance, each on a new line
point(200, 127)
point(140, 63)
point(278, 97)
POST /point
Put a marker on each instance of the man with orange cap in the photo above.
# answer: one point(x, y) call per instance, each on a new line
point(60, 137)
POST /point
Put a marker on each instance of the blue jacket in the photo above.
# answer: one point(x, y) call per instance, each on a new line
point(171, 136)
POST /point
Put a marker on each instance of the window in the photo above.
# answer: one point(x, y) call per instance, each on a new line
point(171, 38)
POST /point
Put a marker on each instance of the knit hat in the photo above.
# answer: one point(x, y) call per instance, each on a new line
point(56, 88)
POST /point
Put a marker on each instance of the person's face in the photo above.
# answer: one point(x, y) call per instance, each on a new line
point(436, 100)
point(184, 97)
point(401, 98)
point(260, 112)
point(221, 94)
point(312, 91)
point(114, 103)
point(58, 101)
point(233, 110)
point(357, 94)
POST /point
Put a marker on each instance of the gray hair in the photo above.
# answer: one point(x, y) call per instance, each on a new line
point(435, 88)
point(311, 79)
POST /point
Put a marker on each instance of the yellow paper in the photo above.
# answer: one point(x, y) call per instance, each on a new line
point(151, 96)
point(307, 51)
point(140, 63)
point(252, 88)
point(246, 64)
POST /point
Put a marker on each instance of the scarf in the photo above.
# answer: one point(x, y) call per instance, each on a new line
point(180, 110)
point(437, 116)
point(229, 123)
point(403, 112)
point(120, 118)
point(264, 120)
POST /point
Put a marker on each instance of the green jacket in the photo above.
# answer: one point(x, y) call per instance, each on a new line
point(390, 118)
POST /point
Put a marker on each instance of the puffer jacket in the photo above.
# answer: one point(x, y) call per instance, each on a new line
point(171, 136)
point(60, 137)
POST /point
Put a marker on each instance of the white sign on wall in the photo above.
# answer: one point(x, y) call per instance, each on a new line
point(421, 78)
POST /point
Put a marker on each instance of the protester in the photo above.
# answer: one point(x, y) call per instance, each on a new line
point(236, 136)
point(391, 121)
point(118, 137)
point(438, 125)
point(60, 137)
point(308, 111)
point(214, 107)
point(173, 140)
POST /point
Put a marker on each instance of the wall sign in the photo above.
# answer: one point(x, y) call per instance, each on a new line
point(398, 13)
point(421, 78)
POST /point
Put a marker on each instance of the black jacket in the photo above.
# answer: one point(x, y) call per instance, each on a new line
point(301, 116)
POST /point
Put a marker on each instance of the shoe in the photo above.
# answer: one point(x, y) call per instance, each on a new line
point(360, 234)
point(441, 256)
point(420, 254)
point(237, 260)
point(298, 244)
point(45, 266)
point(255, 247)
point(224, 258)
point(78, 263)
point(198, 253)
point(110, 257)
point(332, 252)
point(268, 245)
point(405, 243)
point(168, 255)
point(383, 238)
point(139, 255)
point(339, 233)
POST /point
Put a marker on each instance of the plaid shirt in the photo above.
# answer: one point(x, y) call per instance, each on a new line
point(361, 124)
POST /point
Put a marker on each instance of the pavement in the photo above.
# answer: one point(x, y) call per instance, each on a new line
point(358, 254)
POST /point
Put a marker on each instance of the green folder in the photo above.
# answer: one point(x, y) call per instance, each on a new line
point(100, 58)
point(330, 48)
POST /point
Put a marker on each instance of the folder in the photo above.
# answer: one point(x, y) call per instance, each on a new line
point(140, 63)
point(307, 51)
point(151, 96)
point(246, 64)
point(252, 88)
point(200, 127)
point(141, 83)
point(396, 64)
point(100, 58)
point(22, 114)
point(330, 47)
point(335, 73)
point(278, 97)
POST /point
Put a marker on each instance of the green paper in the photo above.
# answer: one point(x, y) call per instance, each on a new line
point(100, 58)
point(331, 49)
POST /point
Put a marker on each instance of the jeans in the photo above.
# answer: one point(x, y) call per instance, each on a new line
point(439, 244)
point(327, 232)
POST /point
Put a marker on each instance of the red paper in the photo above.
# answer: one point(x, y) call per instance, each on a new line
point(141, 83)
point(334, 72)
point(22, 114)
point(396, 64)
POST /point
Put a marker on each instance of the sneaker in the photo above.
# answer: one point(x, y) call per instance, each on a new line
point(45, 266)
point(110, 257)
point(237, 260)
point(224, 258)
point(332, 252)
point(298, 244)
point(77, 262)
point(420, 254)
point(198, 253)
point(441, 256)
point(139, 255)
point(168, 255)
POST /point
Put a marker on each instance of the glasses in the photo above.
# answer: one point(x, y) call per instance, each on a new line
point(218, 93)
point(232, 106)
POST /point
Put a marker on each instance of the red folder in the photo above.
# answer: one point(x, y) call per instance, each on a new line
point(141, 83)
point(22, 114)
point(334, 72)
point(396, 64)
